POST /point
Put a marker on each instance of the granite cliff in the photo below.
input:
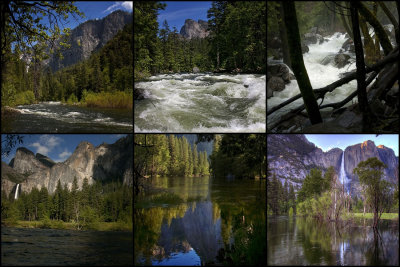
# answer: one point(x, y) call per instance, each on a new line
point(192, 29)
point(105, 162)
point(290, 157)
point(88, 37)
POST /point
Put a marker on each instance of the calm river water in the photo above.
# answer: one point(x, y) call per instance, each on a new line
point(301, 241)
point(20, 246)
point(58, 118)
point(215, 221)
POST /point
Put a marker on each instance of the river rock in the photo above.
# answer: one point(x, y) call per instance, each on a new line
point(348, 45)
point(280, 70)
point(275, 84)
point(196, 70)
point(328, 59)
point(304, 48)
point(312, 38)
point(341, 60)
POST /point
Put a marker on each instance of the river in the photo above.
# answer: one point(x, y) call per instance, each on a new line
point(304, 241)
point(320, 76)
point(58, 118)
point(50, 247)
point(202, 102)
point(212, 216)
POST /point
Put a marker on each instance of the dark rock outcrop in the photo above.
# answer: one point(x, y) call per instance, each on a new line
point(275, 84)
point(192, 29)
point(88, 37)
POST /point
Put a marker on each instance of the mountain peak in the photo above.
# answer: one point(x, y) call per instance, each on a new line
point(194, 29)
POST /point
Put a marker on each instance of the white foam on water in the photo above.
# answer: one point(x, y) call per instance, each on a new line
point(202, 102)
point(73, 114)
point(320, 76)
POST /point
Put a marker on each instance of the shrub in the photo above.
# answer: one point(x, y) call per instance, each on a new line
point(72, 99)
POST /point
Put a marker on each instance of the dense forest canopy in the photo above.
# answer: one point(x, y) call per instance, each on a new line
point(225, 49)
point(95, 203)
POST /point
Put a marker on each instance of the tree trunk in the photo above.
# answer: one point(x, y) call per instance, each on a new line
point(283, 35)
point(361, 86)
point(368, 42)
point(296, 58)
point(379, 30)
point(345, 24)
point(391, 17)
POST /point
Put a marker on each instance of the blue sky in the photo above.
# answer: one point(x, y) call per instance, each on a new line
point(329, 141)
point(177, 12)
point(59, 147)
point(93, 10)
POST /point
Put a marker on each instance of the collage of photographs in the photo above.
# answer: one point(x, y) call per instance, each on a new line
point(199, 133)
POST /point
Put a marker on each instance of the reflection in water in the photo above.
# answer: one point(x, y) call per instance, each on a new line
point(207, 219)
point(304, 241)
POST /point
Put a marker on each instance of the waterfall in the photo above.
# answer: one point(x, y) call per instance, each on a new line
point(16, 192)
point(343, 176)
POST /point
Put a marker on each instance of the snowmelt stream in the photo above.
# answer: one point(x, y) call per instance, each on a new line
point(320, 76)
point(202, 102)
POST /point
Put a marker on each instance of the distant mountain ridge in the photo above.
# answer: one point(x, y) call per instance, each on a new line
point(194, 29)
point(291, 157)
point(89, 37)
point(102, 163)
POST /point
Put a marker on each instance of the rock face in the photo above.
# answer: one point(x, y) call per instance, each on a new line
point(114, 161)
point(361, 152)
point(88, 37)
point(193, 29)
point(292, 156)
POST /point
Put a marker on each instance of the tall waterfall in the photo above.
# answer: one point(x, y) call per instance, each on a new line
point(16, 192)
point(343, 177)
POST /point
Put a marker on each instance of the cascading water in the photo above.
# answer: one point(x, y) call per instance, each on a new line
point(16, 192)
point(320, 76)
point(201, 102)
point(343, 177)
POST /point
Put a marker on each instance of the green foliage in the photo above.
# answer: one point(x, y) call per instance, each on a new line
point(117, 99)
point(170, 155)
point(240, 156)
point(291, 211)
point(87, 208)
point(72, 99)
point(313, 185)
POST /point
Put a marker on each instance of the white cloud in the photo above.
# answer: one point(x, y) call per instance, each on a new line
point(46, 143)
point(64, 155)
point(40, 149)
point(127, 5)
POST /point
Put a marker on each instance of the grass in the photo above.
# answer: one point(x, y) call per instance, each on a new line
point(385, 216)
point(53, 224)
point(159, 199)
point(116, 99)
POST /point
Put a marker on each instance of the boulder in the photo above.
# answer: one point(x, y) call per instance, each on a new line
point(348, 45)
point(312, 38)
point(341, 60)
point(328, 59)
point(280, 70)
point(314, 30)
point(196, 70)
point(275, 84)
point(304, 48)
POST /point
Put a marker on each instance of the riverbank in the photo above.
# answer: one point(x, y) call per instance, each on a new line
point(53, 224)
point(385, 216)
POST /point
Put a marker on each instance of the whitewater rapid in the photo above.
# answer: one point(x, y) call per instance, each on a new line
point(320, 76)
point(202, 102)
